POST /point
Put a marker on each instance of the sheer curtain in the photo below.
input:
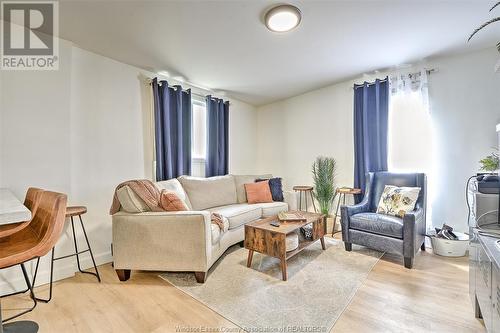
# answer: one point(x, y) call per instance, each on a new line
point(410, 127)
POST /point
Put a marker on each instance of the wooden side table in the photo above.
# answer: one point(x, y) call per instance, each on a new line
point(306, 190)
point(341, 192)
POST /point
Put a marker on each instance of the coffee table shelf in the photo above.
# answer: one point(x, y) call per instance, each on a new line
point(262, 237)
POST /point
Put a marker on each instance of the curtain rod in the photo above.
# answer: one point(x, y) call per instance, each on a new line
point(428, 71)
point(149, 81)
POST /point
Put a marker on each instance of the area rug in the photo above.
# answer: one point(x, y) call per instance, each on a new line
point(320, 286)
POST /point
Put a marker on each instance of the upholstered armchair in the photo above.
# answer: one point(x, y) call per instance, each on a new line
point(363, 226)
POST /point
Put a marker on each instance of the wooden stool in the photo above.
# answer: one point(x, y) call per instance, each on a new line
point(72, 211)
point(342, 191)
point(306, 190)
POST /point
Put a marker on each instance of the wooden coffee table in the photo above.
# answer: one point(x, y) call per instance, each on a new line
point(264, 238)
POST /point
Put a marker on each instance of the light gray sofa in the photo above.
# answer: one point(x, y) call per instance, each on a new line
point(186, 241)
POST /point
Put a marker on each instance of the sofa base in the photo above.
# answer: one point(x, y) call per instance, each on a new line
point(200, 276)
point(123, 274)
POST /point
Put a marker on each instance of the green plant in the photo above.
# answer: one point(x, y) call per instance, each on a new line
point(482, 26)
point(490, 163)
point(324, 172)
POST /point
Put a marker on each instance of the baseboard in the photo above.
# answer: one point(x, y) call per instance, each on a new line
point(62, 270)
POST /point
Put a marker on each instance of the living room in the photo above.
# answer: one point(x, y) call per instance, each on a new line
point(197, 166)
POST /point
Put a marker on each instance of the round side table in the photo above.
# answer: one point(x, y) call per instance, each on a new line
point(306, 190)
point(342, 192)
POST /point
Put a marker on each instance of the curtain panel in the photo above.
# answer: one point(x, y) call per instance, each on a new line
point(371, 118)
point(217, 159)
point(173, 122)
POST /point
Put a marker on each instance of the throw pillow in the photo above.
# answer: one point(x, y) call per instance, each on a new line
point(259, 192)
point(397, 201)
point(171, 202)
point(130, 202)
point(276, 187)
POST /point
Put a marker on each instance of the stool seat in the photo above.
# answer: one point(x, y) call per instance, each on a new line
point(302, 188)
point(349, 190)
point(75, 210)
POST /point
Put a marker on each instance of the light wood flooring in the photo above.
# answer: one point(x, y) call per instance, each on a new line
point(432, 297)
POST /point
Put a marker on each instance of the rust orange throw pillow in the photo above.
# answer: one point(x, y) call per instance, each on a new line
point(258, 192)
point(171, 202)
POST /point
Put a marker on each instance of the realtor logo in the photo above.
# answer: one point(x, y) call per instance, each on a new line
point(28, 35)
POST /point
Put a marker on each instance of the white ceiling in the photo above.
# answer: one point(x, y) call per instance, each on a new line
point(223, 45)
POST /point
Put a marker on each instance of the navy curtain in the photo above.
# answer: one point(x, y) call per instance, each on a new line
point(217, 159)
point(371, 113)
point(173, 117)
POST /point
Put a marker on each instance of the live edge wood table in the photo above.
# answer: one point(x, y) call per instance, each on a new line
point(264, 238)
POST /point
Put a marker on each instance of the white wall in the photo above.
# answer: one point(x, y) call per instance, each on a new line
point(465, 108)
point(82, 130)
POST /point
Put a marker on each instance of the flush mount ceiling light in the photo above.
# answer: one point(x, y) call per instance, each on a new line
point(282, 18)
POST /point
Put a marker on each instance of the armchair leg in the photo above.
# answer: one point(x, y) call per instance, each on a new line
point(123, 274)
point(422, 247)
point(348, 246)
point(408, 262)
point(200, 276)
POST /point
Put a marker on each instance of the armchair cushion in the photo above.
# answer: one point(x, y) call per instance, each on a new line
point(380, 224)
point(397, 201)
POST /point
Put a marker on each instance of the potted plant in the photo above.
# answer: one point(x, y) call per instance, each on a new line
point(482, 26)
point(490, 163)
point(324, 172)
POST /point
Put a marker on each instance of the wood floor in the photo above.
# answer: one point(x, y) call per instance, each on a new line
point(432, 297)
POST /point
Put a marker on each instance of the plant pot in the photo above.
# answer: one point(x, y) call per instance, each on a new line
point(329, 224)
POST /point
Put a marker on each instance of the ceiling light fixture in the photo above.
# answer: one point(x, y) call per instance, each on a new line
point(282, 18)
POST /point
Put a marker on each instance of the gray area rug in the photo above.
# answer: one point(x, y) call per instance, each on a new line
point(320, 286)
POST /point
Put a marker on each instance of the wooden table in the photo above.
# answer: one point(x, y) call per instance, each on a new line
point(11, 211)
point(264, 238)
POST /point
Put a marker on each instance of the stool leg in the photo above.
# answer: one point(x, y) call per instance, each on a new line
point(300, 200)
point(312, 199)
point(46, 300)
point(305, 195)
point(90, 250)
point(336, 214)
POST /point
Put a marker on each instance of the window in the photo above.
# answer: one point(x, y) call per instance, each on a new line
point(411, 140)
point(198, 150)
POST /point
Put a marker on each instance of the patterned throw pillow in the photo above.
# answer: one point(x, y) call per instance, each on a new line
point(397, 201)
point(171, 202)
point(276, 188)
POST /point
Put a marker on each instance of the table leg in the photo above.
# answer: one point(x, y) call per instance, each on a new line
point(283, 268)
point(322, 239)
point(250, 256)
point(314, 205)
point(336, 213)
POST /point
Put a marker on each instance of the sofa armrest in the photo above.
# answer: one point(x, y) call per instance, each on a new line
point(167, 241)
point(290, 198)
point(413, 231)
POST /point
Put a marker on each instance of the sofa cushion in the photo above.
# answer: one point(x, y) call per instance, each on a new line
point(238, 214)
point(209, 192)
point(130, 202)
point(173, 185)
point(276, 188)
point(217, 232)
point(241, 180)
point(378, 224)
point(272, 208)
point(171, 202)
point(259, 192)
